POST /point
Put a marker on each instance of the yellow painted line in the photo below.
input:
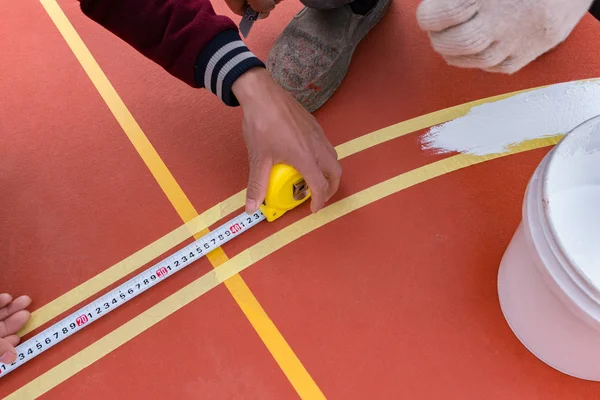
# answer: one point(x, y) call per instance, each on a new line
point(235, 202)
point(250, 256)
point(120, 111)
point(265, 328)
point(423, 122)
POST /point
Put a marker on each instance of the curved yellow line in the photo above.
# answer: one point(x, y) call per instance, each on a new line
point(245, 259)
point(211, 216)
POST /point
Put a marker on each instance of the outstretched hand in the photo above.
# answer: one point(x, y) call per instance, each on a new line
point(13, 317)
point(277, 129)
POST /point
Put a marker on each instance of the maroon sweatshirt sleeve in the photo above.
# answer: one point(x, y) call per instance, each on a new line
point(185, 37)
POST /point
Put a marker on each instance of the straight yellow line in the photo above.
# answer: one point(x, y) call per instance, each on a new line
point(250, 256)
point(265, 328)
point(120, 111)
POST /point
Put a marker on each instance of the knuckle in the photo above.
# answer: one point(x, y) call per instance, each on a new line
point(554, 29)
point(254, 159)
point(490, 57)
point(321, 186)
point(337, 170)
point(510, 65)
point(510, 69)
point(254, 187)
point(504, 68)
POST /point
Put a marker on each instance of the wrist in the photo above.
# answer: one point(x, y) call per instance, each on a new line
point(252, 82)
point(222, 62)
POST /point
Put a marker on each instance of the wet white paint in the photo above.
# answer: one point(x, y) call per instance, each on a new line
point(573, 195)
point(576, 217)
point(492, 127)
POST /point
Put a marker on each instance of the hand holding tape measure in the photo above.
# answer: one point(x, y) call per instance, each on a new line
point(286, 190)
point(278, 129)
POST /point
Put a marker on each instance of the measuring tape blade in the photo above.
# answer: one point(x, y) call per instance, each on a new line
point(287, 189)
point(110, 301)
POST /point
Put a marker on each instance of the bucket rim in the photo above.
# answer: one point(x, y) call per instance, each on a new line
point(579, 277)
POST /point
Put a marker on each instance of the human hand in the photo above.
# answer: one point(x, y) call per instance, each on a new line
point(13, 317)
point(263, 7)
point(498, 35)
point(277, 129)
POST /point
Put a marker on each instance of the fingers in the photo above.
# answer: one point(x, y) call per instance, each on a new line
point(310, 167)
point(509, 65)
point(258, 181)
point(5, 299)
point(14, 323)
point(323, 179)
point(9, 308)
point(332, 171)
point(334, 183)
point(262, 6)
point(437, 15)
point(464, 37)
point(468, 38)
point(489, 58)
point(317, 183)
point(8, 354)
point(13, 340)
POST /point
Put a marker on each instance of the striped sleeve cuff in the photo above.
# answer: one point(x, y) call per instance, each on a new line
point(221, 62)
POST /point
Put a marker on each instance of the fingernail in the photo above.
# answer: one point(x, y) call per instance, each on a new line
point(251, 206)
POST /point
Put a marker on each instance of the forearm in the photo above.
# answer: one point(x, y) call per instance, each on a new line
point(185, 37)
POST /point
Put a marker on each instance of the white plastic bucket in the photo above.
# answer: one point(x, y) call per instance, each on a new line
point(549, 277)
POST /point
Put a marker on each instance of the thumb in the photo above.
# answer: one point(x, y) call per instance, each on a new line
point(258, 182)
point(8, 354)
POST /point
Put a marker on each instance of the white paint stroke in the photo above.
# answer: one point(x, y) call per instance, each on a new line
point(492, 127)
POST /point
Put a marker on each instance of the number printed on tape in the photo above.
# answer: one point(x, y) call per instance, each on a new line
point(128, 290)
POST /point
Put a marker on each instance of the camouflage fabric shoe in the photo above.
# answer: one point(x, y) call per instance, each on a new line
point(310, 58)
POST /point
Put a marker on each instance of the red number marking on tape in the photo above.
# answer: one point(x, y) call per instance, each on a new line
point(81, 320)
point(161, 272)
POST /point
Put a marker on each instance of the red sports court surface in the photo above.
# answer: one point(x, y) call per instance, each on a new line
point(394, 300)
